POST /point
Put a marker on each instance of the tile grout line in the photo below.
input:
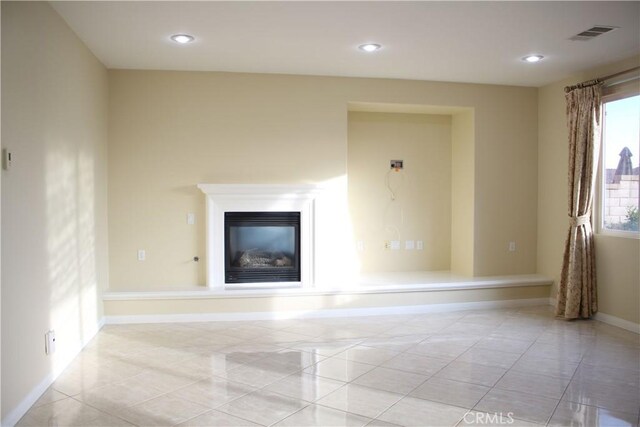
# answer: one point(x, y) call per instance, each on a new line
point(375, 366)
point(509, 370)
point(492, 387)
point(422, 383)
point(434, 374)
point(359, 341)
point(565, 390)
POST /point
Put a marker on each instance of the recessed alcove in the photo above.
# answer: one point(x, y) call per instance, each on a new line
point(428, 205)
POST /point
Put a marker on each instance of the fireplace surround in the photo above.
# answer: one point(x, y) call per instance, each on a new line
point(272, 202)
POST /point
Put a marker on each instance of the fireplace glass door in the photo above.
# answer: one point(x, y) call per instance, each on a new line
point(262, 247)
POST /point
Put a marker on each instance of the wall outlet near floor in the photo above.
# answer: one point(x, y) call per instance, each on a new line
point(142, 255)
point(50, 342)
point(360, 246)
point(419, 245)
point(409, 245)
point(7, 158)
point(512, 246)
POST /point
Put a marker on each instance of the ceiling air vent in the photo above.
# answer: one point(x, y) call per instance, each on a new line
point(592, 32)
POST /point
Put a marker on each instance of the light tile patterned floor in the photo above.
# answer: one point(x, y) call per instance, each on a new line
point(517, 367)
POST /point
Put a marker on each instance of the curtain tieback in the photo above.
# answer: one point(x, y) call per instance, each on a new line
point(577, 221)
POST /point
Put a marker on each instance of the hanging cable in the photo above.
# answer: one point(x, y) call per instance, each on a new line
point(393, 191)
point(387, 182)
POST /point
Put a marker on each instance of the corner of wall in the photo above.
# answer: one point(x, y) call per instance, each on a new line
point(463, 203)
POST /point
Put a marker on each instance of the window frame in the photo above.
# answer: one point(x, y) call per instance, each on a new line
point(627, 89)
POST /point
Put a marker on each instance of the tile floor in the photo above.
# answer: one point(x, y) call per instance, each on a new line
point(493, 367)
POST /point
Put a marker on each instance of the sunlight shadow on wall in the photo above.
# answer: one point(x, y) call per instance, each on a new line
point(71, 243)
point(337, 262)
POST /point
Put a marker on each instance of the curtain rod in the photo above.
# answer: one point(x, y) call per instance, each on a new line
point(602, 80)
point(611, 76)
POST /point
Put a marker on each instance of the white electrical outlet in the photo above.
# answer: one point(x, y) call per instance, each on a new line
point(512, 246)
point(50, 342)
point(395, 245)
point(419, 245)
point(142, 255)
point(360, 246)
point(191, 218)
point(409, 245)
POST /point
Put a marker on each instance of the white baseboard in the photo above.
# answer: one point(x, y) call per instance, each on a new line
point(32, 397)
point(337, 312)
point(610, 320)
point(18, 412)
point(616, 321)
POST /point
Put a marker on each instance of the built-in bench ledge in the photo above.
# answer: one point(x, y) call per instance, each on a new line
point(367, 284)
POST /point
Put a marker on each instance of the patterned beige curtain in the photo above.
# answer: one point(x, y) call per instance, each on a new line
point(577, 293)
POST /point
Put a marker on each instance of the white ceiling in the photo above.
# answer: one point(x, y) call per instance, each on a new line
point(478, 42)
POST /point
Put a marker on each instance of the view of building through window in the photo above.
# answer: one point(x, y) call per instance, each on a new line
point(621, 171)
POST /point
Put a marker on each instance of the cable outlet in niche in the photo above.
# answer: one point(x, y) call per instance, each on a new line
point(397, 164)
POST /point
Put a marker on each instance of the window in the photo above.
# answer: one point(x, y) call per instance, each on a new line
point(620, 173)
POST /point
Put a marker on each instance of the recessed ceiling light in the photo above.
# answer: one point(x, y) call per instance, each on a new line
point(532, 58)
point(369, 47)
point(182, 38)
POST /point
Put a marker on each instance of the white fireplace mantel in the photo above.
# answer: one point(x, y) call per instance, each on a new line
point(221, 198)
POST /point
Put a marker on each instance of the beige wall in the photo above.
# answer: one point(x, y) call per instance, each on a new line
point(169, 131)
point(617, 264)
point(421, 209)
point(54, 225)
point(172, 130)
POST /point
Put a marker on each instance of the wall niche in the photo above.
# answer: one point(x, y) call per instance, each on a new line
point(414, 204)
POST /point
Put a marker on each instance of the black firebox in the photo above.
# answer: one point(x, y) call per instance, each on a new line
point(262, 247)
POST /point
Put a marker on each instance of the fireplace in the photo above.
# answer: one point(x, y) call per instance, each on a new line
point(290, 204)
point(262, 247)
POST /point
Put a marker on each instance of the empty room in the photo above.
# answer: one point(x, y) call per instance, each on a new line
point(319, 213)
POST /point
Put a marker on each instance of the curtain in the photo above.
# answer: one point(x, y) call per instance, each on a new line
point(577, 293)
